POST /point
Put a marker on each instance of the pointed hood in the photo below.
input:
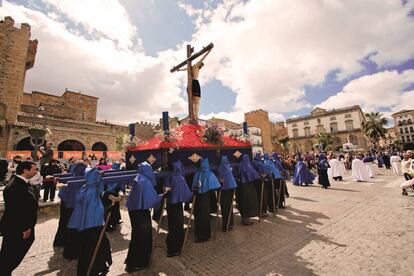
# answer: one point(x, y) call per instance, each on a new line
point(206, 177)
point(88, 211)
point(143, 195)
point(246, 171)
point(180, 192)
point(226, 174)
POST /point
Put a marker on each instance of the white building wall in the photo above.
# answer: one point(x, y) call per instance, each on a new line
point(341, 119)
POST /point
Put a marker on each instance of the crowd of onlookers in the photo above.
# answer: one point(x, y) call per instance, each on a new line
point(44, 180)
point(382, 159)
point(400, 162)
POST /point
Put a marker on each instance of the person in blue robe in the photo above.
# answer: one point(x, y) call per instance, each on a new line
point(323, 166)
point(228, 189)
point(264, 185)
point(284, 190)
point(276, 178)
point(380, 161)
point(204, 181)
point(301, 175)
point(65, 237)
point(180, 193)
point(116, 166)
point(88, 219)
point(247, 178)
point(79, 169)
point(141, 199)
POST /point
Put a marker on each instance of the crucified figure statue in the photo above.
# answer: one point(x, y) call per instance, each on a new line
point(193, 86)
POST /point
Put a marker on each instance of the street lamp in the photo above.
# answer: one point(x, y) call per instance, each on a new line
point(37, 134)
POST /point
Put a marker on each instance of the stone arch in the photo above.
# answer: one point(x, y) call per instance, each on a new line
point(99, 146)
point(71, 145)
point(24, 144)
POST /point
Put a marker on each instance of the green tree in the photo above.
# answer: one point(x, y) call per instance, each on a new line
point(119, 142)
point(374, 127)
point(123, 141)
point(324, 138)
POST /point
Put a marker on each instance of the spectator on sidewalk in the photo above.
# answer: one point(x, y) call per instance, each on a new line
point(47, 154)
point(11, 169)
point(47, 171)
point(19, 218)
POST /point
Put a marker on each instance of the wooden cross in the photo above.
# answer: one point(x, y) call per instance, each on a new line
point(190, 58)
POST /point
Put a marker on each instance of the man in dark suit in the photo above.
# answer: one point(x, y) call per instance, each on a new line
point(47, 154)
point(19, 218)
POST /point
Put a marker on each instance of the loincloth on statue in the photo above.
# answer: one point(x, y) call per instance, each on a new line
point(196, 88)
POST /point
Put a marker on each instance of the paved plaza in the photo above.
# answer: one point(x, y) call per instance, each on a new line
point(350, 229)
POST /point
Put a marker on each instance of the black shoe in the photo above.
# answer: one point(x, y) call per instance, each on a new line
point(286, 195)
point(170, 255)
point(404, 192)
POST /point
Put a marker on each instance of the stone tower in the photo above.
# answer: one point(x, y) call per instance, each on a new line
point(17, 54)
point(260, 118)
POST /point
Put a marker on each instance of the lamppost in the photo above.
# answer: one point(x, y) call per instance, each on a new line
point(38, 131)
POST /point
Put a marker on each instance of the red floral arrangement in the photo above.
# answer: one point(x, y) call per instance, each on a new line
point(189, 136)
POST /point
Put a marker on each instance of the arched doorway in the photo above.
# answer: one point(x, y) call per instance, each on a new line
point(24, 144)
point(99, 146)
point(71, 145)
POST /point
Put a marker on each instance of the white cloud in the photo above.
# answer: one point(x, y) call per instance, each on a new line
point(107, 17)
point(385, 89)
point(267, 51)
point(131, 86)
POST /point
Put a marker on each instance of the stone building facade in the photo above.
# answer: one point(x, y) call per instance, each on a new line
point(270, 132)
point(71, 117)
point(390, 138)
point(404, 127)
point(345, 125)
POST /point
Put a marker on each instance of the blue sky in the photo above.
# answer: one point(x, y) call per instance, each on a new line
point(282, 56)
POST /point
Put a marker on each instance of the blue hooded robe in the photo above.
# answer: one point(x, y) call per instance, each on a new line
point(143, 195)
point(259, 166)
point(79, 169)
point(207, 178)
point(271, 167)
point(302, 174)
point(277, 162)
point(247, 173)
point(88, 211)
point(116, 166)
point(225, 173)
point(179, 189)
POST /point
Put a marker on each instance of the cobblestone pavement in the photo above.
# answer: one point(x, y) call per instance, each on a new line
point(350, 229)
